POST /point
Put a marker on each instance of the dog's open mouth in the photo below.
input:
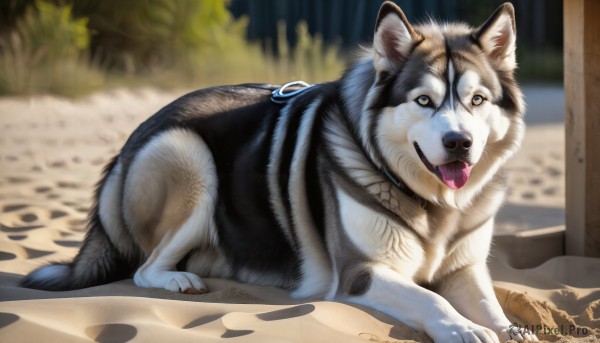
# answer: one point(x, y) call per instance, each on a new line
point(453, 174)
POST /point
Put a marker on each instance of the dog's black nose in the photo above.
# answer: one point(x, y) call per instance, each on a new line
point(457, 142)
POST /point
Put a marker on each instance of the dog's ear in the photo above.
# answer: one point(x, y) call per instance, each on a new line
point(394, 38)
point(497, 37)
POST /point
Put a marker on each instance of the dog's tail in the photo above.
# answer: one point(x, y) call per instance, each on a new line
point(98, 261)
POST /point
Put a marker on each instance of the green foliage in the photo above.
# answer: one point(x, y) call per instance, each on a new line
point(47, 53)
point(55, 29)
point(164, 43)
point(145, 35)
point(195, 42)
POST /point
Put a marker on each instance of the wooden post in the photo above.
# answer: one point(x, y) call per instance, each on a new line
point(582, 126)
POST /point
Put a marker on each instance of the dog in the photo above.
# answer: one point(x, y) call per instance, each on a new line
point(379, 189)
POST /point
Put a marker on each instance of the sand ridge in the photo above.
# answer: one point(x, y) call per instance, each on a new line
point(52, 151)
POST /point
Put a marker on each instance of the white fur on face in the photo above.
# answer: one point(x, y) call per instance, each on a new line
point(401, 126)
point(452, 117)
point(498, 123)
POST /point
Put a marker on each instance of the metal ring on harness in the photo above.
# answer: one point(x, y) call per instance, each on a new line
point(279, 96)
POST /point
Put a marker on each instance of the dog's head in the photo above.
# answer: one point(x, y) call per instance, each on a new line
point(449, 112)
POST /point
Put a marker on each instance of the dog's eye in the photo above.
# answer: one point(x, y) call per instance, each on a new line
point(423, 101)
point(477, 100)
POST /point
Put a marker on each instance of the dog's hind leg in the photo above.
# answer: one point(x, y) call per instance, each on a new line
point(168, 204)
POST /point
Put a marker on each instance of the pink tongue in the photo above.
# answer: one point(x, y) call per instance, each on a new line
point(455, 174)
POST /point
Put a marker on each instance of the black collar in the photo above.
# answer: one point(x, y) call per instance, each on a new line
point(403, 187)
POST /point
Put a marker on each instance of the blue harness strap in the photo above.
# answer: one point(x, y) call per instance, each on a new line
point(286, 92)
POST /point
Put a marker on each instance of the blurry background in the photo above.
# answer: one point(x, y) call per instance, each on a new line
point(349, 22)
point(73, 47)
point(76, 47)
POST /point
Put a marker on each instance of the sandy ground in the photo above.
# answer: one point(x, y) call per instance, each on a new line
point(51, 154)
point(537, 194)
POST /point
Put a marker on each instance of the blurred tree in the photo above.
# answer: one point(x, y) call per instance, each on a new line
point(150, 34)
point(47, 52)
point(161, 42)
point(54, 30)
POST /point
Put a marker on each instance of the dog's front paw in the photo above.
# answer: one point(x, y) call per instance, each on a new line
point(461, 332)
point(516, 333)
point(184, 282)
point(172, 281)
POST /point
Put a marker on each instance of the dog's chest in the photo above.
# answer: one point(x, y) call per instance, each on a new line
point(418, 255)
